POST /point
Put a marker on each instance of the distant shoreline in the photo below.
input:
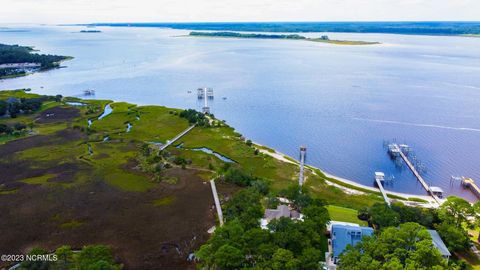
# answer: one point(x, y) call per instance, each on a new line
point(436, 28)
point(323, 39)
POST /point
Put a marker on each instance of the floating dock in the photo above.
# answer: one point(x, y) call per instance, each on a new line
point(470, 184)
point(395, 150)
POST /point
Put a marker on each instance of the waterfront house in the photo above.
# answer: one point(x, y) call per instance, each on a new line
point(281, 211)
point(343, 234)
point(439, 244)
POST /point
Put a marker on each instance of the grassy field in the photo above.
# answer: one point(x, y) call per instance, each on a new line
point(338, 213)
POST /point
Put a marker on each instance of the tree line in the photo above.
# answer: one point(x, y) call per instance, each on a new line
point(287, 244)
point(22, 54)
point(402, 241)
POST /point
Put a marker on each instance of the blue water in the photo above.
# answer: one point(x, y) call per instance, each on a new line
point(106, 111)
point(211, 152)
point(342, 102)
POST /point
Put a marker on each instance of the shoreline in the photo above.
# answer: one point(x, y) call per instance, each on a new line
point(285, 158)
point(317, 40)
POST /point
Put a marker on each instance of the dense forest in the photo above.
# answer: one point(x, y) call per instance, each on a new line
point(240, 35)
point(413, 28)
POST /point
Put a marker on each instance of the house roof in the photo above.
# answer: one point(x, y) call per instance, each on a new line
point(344, 235)
point(436, 189)
point(281, 211)
point(438, 243)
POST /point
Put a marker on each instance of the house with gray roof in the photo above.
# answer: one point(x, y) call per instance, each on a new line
point(439, 244)
point(281, 211)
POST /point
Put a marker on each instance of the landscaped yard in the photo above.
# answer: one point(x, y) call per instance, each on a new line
point(339, 213)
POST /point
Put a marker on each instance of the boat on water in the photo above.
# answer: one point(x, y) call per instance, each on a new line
point(89, 92)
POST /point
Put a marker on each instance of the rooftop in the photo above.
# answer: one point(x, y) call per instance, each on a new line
point(281, 211)
point(344, 235)
point(436, 189)
point(438, 243)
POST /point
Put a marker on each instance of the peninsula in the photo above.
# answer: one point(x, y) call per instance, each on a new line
point(324, 38)
point(18, 61)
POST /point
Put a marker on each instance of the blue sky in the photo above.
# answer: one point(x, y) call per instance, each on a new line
point(86, 11)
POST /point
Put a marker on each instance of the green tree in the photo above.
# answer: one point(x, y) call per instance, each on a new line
point(229, 257)
point(456, 211)
point(310, 258)
point(383, 216)
point(476, 210)
point(455, 238)
point(97, 257)
point(36, 265)
point(284, 260)
point(65, 257)
point(408, 246)
point(3, 107)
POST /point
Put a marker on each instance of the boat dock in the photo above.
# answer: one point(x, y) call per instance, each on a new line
point(379, 178)
point(395, 149)
point(469, 183)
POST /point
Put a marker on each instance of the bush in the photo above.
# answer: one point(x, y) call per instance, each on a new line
point(20, 126)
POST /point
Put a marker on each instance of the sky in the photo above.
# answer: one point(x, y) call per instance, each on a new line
point(90, 11)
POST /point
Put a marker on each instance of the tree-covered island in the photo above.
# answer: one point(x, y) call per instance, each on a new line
point(324, 38)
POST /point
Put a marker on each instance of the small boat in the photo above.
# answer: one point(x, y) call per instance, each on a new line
point(89, 92)
point(189, 91)
point(224, 98)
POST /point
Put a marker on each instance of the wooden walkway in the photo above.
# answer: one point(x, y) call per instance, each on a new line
point(301, 178)
point(384, 193)
point(417, 175)
point(217, 202)
point(176, 138)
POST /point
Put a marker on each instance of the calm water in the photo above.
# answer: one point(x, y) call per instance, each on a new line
point(342, 102)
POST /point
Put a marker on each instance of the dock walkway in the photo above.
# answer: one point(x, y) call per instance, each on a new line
point(417, 175)
point(217, 202)
point(384, 193)
point(176, 138)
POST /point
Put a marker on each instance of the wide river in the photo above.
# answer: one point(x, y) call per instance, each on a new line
point(342, 102)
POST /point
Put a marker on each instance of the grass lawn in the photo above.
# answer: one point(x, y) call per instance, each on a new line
point(339, 213)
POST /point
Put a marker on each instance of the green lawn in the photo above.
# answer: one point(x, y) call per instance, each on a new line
point(339, 213)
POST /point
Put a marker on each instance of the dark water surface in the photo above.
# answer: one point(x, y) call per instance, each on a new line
point(342, 102)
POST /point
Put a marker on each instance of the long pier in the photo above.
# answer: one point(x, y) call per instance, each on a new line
point(217, 202)
point(176, 138)
point(415, 172)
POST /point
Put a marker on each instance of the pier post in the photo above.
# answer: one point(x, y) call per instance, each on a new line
point(303, 152)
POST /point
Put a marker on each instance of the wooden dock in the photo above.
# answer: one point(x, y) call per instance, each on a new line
point(384, 193)
point(415, 172)
point(469, 183)
point(303, 152)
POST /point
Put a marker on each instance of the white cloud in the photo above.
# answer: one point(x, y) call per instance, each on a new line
point(86, 11)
